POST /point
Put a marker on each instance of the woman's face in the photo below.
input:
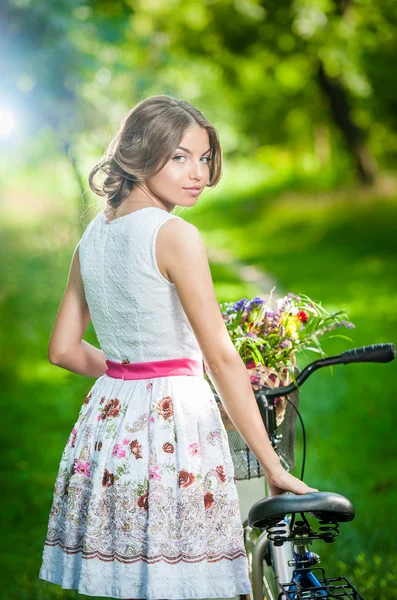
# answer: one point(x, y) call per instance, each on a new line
point(188, 167)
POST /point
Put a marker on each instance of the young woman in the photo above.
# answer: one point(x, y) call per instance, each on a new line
point(145, 502)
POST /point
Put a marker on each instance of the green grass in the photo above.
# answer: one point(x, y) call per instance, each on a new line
point(340, 250)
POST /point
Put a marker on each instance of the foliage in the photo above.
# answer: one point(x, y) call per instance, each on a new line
point(76, 69)
point(273, 337)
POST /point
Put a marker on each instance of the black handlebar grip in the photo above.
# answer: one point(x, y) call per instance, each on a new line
point(376, 353)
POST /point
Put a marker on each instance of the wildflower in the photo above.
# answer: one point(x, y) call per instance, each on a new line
point(302, 316)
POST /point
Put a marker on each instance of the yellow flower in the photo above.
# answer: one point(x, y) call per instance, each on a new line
point(292, 325)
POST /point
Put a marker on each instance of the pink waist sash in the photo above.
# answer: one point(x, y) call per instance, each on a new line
point(156, 368)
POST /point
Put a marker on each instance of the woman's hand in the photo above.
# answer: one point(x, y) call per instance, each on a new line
point(280, 481)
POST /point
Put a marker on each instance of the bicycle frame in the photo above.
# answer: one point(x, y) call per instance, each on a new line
point(289, 566)
point(265, 578)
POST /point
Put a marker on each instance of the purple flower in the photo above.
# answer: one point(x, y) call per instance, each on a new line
point(347, 324)
point(285, 343)
point(240, 304)
point(255, 302)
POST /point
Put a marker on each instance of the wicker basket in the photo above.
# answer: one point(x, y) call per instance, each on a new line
point(246, 465)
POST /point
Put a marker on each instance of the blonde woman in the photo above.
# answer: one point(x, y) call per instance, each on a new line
point(145, 502)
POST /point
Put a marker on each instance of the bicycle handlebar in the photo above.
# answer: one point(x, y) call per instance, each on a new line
point(374, 353)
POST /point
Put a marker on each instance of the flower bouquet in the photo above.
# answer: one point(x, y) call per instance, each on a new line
point(269, 339)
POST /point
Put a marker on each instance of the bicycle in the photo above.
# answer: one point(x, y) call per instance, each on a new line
point(281, 566)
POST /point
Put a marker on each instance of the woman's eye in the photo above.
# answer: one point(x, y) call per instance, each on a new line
point(208, 158)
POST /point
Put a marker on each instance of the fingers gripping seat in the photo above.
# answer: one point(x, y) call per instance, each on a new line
point(320, 505)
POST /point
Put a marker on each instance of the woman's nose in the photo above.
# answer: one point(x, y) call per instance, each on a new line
point(196, 170)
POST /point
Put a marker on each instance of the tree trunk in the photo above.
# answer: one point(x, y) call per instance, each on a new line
point(340, 109)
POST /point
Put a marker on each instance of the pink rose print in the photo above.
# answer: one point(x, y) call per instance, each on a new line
point(149, 385)
point(152, 419)
point(154, 473)
point(84, 469)
point(194, 449)
point(119, 451)
point(126, 442)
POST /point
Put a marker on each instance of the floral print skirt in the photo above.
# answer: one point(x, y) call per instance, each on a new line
point(145, 502)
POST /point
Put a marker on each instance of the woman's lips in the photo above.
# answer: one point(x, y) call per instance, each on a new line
point(193, 191)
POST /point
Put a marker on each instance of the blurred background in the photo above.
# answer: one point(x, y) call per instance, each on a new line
point(303, 95)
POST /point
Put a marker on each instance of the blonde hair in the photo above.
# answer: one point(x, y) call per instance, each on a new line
point(149, 134)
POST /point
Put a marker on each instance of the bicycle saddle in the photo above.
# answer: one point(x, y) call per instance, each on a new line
point(320, 505)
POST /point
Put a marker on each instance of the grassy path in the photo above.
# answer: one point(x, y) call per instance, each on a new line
point(342, 253)
point(341, 250)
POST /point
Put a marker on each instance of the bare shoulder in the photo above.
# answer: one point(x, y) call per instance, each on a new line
point(175, 238)
point(178, 231)
point(182, 255)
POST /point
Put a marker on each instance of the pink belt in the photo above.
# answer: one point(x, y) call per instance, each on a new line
point(156, 368)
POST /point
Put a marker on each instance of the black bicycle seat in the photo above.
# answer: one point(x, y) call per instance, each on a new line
point(320, 505)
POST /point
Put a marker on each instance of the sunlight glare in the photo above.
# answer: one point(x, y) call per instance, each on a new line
point(7, 122)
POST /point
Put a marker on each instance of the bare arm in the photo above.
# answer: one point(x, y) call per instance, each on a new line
point(183, 255)
point(66, 347)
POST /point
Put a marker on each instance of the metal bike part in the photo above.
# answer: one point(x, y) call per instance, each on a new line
point(283, 557)
point(312, 584)
point(263, 585)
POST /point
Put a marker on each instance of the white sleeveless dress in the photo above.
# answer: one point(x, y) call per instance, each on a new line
point(145, 501)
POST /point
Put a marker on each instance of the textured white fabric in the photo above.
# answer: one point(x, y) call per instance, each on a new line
point(145, 501)
point(135, 311)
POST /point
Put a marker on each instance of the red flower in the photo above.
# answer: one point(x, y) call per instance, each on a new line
point(164, 407)
point(111, 409)
point(115, 408)
point(169, 448)
point(185, 478)
point(98, 446)
point(136, 449)
point(86, 401)
point(143, 501)
point(208, 500)
point(108, 479)
point(302, 316)
point(221, 472)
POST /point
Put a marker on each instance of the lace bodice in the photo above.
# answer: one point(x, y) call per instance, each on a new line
point(135, 311)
